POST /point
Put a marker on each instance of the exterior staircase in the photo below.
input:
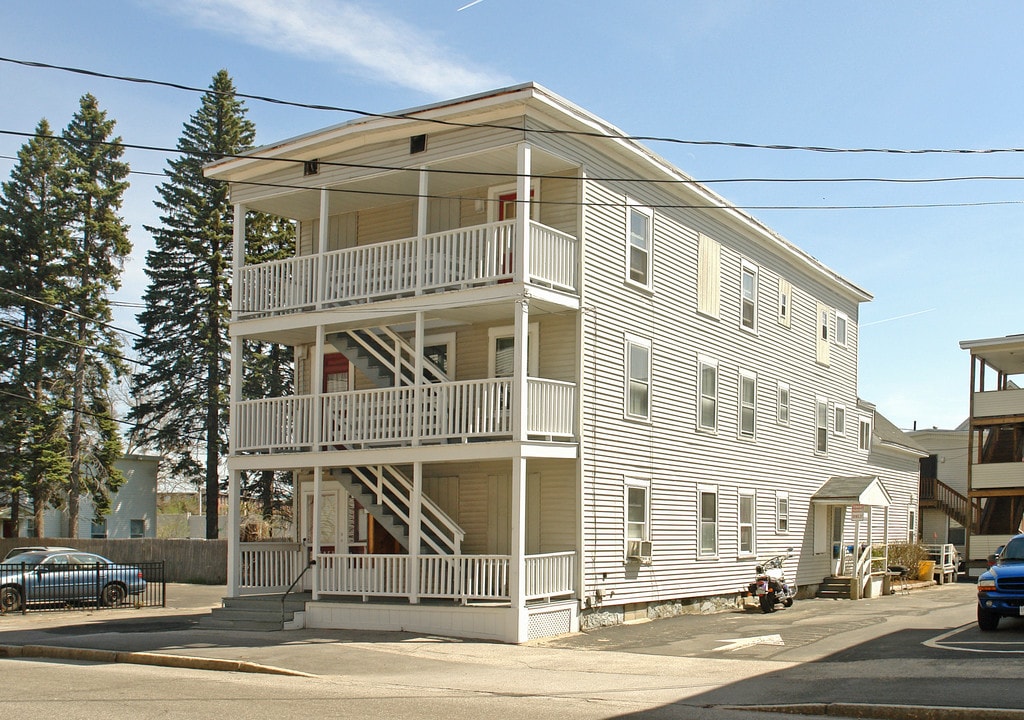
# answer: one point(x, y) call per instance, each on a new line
point(255, 613)
point(382, 354)
point(836, 588)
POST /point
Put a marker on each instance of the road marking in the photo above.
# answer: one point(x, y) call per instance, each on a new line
point(938, 644)
point(737, 643)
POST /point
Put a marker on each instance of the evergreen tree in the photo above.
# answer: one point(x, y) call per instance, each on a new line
point(35, 211)
point(100, 245)
point(184, 409)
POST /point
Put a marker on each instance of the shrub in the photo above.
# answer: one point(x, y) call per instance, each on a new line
point(908, 555)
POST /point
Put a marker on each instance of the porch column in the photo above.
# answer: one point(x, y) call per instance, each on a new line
point(238, 257)
point(234, 531)
point(520, 368)
point(415, 513)
point(417, 391)
point(318, 476)
point(517, 564)
point(322, 240)
point(421, 227)
point(316, 390)
point(521, 250)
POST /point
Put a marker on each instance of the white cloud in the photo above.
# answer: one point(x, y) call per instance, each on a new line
point(364, 41)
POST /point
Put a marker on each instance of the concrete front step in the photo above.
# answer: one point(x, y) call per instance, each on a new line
point(257, 613)
point(834, 588)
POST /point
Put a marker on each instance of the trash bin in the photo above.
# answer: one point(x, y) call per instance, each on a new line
point(925, 569)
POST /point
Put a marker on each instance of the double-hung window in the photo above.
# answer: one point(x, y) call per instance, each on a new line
point(821, 355)
point(785, 302)
point(707, 394)
point(708, 510)
point(640, 223)
point(782, 512)
point(748, 297)
point(820, 425)
point(637, 512)
point(638, 381)
point(746, 522)
point(783, 404)
point(748, 404)
point(842, 323)
point(839, 420)
point(865, 434)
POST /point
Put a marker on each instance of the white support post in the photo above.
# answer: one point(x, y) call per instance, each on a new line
point(415, 515)
point(234, 531)
point(316, 389)
point(237, 257)
point(417, 392)
point(520, 369)
point(522, 245)
point(323, 238)
point(318, 476)
point(517, 568)
point(422, 206)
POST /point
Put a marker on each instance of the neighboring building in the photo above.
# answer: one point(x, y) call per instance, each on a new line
point(132, 509)
point(944, 503)
point(542, 372)
point(995, 443)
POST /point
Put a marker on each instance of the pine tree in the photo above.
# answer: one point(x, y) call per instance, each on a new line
point(184, 408)
point(100, 245)
point(35, 211)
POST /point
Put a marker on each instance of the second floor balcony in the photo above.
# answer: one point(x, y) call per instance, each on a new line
point(451, 260)
point(403, 416)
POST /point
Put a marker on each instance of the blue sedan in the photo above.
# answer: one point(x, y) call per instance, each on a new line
point(64, 578)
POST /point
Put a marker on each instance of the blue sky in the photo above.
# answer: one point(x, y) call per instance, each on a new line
point(937, 75)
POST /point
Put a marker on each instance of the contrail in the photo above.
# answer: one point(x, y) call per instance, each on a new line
point(898, 317)
point(469, 5)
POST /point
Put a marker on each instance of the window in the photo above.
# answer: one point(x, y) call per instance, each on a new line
point(821, 425)
point(785, 302)
point(638, 381)
point(746, 522)
point(708, 260)
point(865, 434)
point(640, 220)
point(912, 523)
point(839, 420)
point(748, 404)
point(138, 528)
point(783, 404)
point(708, 509)
point(98, 529)
point(503, 344)
point(822, 339)
point(782, 512)
point(637, 512)
point(707, 410)
point(748, 297)
point(841, 323)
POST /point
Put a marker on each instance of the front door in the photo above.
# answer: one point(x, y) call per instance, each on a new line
point(331, 522)
point(836, 518)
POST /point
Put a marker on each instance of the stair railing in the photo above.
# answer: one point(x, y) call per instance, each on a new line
point(311, 563)
point(393, 352)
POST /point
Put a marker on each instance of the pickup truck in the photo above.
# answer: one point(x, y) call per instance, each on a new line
point(1001, 587)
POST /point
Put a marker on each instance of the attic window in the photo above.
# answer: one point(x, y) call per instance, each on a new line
point(311, 167)
point(417, 144)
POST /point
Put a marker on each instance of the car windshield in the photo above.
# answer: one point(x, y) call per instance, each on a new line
point(28, 558)
point(1013, 552)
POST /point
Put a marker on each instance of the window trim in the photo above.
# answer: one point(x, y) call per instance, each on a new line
point(745, 375)
point(779, 404)
point(864, 435)
point(742, 494)
point(630, 342)
point(838, 429)
point(782, 517)
point(709, 276)
point(703, 490)
point(635, 483)
point(785, 308)
point(705, 362)
point(631, 207)
point(749, 269)
point(820, 425)
point(841, 339)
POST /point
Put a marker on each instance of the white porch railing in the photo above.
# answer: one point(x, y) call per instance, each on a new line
point(269, 566)
point(453, 259)
point(388, 417)
point(456, 577)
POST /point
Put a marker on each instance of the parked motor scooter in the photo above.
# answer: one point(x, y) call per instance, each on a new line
point(770, 586)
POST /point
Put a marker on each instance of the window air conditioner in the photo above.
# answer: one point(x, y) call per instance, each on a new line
point(639, 550)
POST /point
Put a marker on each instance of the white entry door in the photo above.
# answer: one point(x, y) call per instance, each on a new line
point(332, 523)
point(836, 519)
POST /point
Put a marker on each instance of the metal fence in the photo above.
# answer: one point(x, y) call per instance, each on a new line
point(93, 585)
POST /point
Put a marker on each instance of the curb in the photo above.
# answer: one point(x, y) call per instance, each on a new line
point(143, 658)
point(885, 712)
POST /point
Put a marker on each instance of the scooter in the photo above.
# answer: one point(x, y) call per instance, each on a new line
point(770, 586)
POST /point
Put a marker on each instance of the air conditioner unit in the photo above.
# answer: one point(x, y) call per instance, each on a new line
point(639, 550)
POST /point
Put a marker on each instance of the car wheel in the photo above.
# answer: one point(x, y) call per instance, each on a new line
point(10, 599)
point(768, 602)
point(113, 595)
point(987, 620)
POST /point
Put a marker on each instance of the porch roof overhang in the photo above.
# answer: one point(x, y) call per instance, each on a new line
point(859, 490)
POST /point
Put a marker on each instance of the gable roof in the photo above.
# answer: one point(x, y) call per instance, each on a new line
point(859, 490)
